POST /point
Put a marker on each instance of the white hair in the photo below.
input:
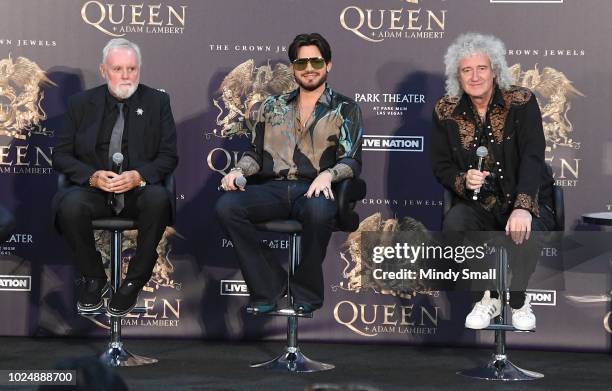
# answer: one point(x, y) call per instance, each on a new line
point(473, 43)
point(123, 43)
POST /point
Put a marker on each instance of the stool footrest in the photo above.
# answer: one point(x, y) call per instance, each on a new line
point(279, 312)
point(99, 311)
point(507, 327)
point(139, 310)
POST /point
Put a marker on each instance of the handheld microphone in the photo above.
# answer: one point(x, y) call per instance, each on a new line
point(117, 169)
point(240, 182)
point(482, 153)
point(117, 162)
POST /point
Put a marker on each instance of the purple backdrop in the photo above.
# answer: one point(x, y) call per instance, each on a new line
point(388, 56)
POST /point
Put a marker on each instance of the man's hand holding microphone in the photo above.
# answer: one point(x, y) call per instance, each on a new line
point(474, 178)
point(116, 181)
point(518, 226)
point(233, 181)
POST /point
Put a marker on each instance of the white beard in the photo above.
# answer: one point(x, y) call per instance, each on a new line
point(123, 92)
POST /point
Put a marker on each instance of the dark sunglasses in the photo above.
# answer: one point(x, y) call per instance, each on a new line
point(300, 64)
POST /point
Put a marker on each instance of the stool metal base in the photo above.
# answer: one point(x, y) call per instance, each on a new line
point(117, 356)
point(293, 361)
point(500, 368)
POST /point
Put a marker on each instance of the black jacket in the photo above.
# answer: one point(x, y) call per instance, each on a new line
point(518, 145)
point(151, 137)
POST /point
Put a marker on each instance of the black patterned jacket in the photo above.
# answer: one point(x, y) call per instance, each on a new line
point(515, 136)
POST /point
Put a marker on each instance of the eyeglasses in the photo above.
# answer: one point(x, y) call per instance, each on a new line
point(300, 64)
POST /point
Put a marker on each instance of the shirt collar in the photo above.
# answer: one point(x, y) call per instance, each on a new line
point(325, 98)
point(111, 101)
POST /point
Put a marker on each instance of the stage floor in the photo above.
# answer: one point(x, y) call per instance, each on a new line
point(205, 365)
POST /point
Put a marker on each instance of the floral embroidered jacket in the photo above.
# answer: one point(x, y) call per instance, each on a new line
point(513, 134)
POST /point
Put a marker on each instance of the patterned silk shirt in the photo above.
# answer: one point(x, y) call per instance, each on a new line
point(284, 146)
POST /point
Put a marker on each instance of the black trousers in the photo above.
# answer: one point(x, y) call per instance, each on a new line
point(149, 205)
point(470, 216)
point(7, 224)
point(238, 211)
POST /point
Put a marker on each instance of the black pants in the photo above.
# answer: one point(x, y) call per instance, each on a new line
point(470, 216)
point(149, 205)
point(7, 224)
point(265, 278)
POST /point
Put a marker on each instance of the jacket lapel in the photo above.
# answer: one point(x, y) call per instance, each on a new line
point(96, 110)
point(136, 127)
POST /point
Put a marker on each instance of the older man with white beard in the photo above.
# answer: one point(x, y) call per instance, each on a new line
point(119, 117)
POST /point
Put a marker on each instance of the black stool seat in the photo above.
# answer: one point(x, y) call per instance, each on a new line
point(601, 218)
point(281, 226)
point(114, 224)
point(507, 327)
point(280, 312)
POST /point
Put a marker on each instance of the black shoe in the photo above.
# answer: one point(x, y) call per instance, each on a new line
point(259, 308)
point(124, 300)
point(91, 292)
point(303, 308)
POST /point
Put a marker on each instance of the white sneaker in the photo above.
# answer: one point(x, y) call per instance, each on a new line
point(483, 311)
point(524, 318)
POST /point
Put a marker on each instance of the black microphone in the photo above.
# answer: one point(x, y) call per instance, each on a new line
point(482, 153)
point(117, 169)
point(240, 182)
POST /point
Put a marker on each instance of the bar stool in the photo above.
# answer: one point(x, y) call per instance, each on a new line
point(116, 355)
point(499, 366)
point(347, 193)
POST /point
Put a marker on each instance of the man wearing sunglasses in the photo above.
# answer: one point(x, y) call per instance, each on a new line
point(302, 142)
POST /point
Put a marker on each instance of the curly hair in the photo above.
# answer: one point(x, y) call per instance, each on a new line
point(473, 43)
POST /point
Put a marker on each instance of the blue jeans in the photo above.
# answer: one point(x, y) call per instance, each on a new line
point(238, 211)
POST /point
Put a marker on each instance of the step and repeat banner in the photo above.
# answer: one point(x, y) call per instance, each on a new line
point(218, 60)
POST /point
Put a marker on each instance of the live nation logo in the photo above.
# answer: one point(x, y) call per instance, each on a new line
point(119, 19)
point(15, 283)
point(393, 143)
point(542, 297)
point(233, 288)
point(400, 19)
